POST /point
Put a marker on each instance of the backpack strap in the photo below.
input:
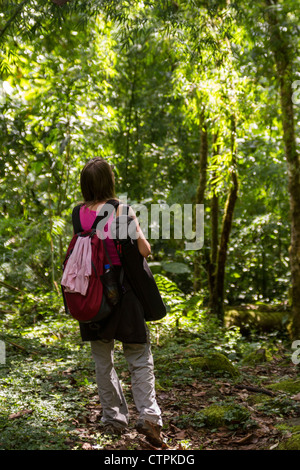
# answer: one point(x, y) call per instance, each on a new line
point(100, 217)
point(76, 219)
point(116, 204)
point(76, 215)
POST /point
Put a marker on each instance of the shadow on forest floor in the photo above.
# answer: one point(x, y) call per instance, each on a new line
point(264, 426)
point(249, 411)
point(48, 395)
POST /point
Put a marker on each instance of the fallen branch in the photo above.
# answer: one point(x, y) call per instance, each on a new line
point(20, 347)
point(255, 389)
point(8, 286)
point(20, 414)
point(16, 289)
point(4, 308)
point(5, 312)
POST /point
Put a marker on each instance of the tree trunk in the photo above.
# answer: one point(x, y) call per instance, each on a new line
point(281, 49)
point(217, 300)
point(214, 223)
point(201, 192)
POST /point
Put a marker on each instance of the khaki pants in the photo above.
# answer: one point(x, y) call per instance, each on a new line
point(140, 362)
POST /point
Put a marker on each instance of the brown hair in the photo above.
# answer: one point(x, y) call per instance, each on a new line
point(97, 181)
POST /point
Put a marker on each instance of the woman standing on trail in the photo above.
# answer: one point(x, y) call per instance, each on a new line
point(126, 323)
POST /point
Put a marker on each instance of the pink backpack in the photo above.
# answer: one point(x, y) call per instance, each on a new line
point(81, 284)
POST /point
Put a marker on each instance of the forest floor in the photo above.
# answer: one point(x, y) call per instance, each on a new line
point(265, 427)
point(48, 393)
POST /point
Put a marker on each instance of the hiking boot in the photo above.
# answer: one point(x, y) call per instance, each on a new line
point(112, 430)
point(151, 431)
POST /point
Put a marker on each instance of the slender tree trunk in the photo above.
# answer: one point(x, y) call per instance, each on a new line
point(214, 221)
point(129, 118)
point(283, 54)
point(139, 159)
point(201, 192)
point(217, 300)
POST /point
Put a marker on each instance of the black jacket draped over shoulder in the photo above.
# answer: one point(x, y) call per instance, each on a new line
point(126, 323)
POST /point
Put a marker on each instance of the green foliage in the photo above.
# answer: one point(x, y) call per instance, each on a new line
point(132, 82)
point(279, 406)
point(289, 386)
point(215, 416)
point(48, 386)
point(129, 81)
point(292, 443)
point(172, 295)
point(38, 401)
point(216, 363)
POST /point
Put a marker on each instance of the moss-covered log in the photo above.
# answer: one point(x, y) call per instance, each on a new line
point(251, 317)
